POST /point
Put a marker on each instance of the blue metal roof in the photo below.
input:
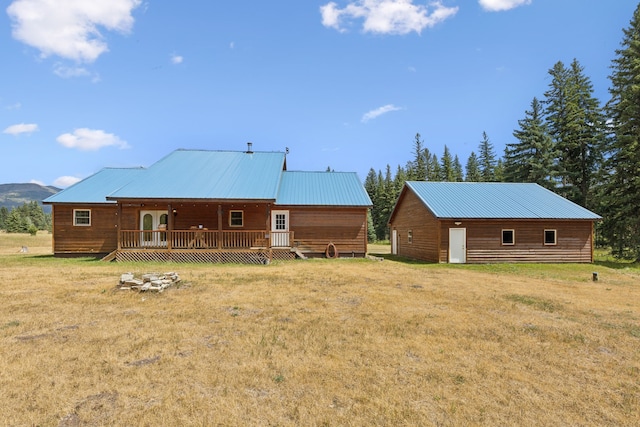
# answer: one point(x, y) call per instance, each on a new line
point(200, 174)
point(322, 189)
point(496, 200)
point(97, 187)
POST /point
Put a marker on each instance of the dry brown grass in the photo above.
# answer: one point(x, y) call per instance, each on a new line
point(12, 243)
point(319, 342)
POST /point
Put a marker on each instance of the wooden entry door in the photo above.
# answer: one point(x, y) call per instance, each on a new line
point(457, 245)
point(280, 229)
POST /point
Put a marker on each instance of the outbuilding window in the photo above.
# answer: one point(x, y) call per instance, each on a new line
point(82, 217)
point(236, 218)
point(508, 237)
point(550, 237)
point(410, 236)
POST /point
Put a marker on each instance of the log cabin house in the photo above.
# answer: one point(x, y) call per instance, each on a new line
point(466, 222)
point(212, 206)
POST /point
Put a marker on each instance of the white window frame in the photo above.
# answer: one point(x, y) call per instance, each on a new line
point(555, 236)
point(410, 236)
point(513, 237)
point(231, 224)
point(75, 218)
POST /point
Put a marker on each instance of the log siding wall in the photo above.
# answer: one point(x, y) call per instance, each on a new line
point(314, 228)
point(412, 215)
point(101, 237)
point(574, 240)
point(430, 237)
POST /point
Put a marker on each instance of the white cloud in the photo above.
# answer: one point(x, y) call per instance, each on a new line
point(15, 106)
point(65, 181)
point(500, 5)
point(65, 72)
point(69, 28)
point(378, 112)
point(90, 140)
point(386, 16)
point(35, 181)
point(176, 59)
point(21, 128)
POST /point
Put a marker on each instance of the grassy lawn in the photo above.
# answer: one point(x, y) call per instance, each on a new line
point(317, 342)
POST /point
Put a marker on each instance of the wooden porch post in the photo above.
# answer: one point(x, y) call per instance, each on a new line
point(119, 225)
point(169, 227)
point(219, 227)
point(268, 224)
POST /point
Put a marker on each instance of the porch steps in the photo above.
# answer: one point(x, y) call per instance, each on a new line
point(110, 257)
point(299, 253)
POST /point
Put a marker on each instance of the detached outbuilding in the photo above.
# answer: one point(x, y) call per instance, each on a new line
point(470, 222)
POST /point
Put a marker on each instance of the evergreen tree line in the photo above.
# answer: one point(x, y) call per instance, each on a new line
point(567, 142)
point(28, 218)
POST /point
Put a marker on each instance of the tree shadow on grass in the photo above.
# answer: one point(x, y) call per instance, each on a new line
point(618, 265)
point(52, 257)
point(397, 258)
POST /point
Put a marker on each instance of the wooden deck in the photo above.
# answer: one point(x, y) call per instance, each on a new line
point(201, 245)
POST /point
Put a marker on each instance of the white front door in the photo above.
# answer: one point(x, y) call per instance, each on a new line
point(150, 221)
point(280, 229)
point(457, 245)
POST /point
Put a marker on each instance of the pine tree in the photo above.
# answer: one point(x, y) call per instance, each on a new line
point(399, 180)
point(473, 169)
point(531, 159)
point(621, 198)
point(434, 172)
point(498, 171)
point(4, 213)
point(371, 231)
point(576, 124)
point(458, 173)
point(418, 170)
point(16, 223)
point(487, 159)
point(446, 166)
point(371, 183)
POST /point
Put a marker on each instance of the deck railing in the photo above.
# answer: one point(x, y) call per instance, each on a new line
point(203, 239)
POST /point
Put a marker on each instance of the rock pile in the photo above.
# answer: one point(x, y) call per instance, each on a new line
point(148, 282)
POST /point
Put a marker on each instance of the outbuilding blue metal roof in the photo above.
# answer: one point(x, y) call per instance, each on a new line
point(496, 200)
point(201, 174)
point(97, 187)
point(322, 189)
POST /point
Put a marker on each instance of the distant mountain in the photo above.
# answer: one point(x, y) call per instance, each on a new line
point(12, 195)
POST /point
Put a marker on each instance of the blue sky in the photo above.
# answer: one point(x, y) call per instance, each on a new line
point(343, 83)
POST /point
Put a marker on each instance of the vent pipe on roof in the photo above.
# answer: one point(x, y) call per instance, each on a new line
point(249, 146)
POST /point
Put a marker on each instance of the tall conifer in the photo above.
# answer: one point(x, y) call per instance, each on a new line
point(621, 200)
point(487, 159)
point(531, 159)
point(576, 124)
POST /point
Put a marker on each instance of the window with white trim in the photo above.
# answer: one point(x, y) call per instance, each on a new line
point(508, 237)
point(550, 237)
point(82, 217)
point(410, 236)
point(236, 218)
